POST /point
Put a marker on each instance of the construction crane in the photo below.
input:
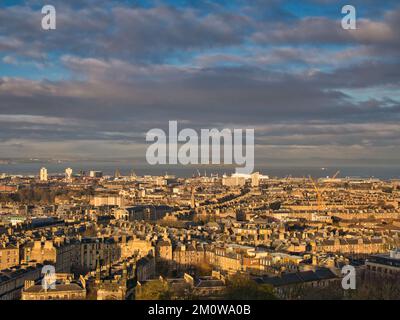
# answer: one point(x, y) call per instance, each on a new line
point(336, 174)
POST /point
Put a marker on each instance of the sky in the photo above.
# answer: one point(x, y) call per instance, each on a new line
point(315, 94)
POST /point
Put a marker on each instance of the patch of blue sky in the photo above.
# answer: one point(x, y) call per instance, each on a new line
point(17, 67)
point(333, 9)
point(370, 93)
point(9, 3)
point(303, 9)
point(194, 4)
point(228, 4)
point(36, 5)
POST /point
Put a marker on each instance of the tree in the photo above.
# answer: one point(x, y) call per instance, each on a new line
point(370, 286)
point(204, 268)
point(153, 290)
point(275, 205)
point(375, 286)
point(241, 287)
point(332, 291)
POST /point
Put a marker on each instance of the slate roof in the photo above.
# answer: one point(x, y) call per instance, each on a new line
point(298, 277)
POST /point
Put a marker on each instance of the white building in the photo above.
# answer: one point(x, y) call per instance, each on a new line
point(239, 179)
point(95, 174)
point(255, 179)
point(68, 174)
point(43, 174)
point(234, 181)
point(107, 200)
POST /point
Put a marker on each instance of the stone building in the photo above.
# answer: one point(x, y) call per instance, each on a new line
point(62, 255)
point(145, 268)
point(65, 288)
point(133, 245)
point(384, 264)
point(164, 250)
point(350, 246)
point(9, 256)
point(12, 280)
point(291, 285)
point(105, 249)
point(114, 283)
point(187, 256)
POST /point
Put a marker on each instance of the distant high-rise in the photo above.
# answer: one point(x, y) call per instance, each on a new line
point(234, 181)
point(255, 179)
point(95, 174)
point(117, 174)
point(43, 174)
point(68, 174)
point(192, 199)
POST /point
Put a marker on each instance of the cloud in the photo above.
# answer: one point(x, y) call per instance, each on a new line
point(111, 72)
point(9, 60)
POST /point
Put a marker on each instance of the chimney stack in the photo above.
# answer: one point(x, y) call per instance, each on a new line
point(28, 284)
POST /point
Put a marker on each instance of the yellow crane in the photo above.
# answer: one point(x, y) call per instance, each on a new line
point(336, 174)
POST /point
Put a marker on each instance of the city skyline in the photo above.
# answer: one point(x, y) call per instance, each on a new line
point(234, 237)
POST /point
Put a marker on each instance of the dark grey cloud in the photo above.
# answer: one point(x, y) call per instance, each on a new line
point(377, 34)
point(224, 95)
point(144, 34)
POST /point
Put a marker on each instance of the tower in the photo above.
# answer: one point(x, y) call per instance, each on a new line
point(192, 200)
point(68, 174)
point(124, 272)
point(255, 179)
point(98, 270)
point(43, 174)
point(117, 174)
